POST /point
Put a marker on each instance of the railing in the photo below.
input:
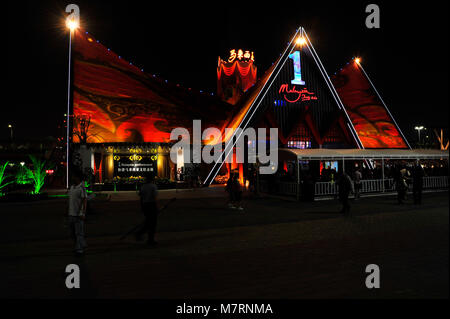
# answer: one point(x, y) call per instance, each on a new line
point(376, 185)
point(325, 188)
point(287, 188)
point(435, 182)
point(367, 186)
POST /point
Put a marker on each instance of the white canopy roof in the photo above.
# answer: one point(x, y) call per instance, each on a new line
point(329, 154)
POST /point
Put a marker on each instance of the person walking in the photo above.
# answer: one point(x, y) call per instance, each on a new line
point(77, 212)
point(228, 189)
point(401, 185)
point(236, 189)
point(148, 197)
point(345, 186)
point(417, 184)
point(358, 178)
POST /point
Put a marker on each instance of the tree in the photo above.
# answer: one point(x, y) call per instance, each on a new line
point(37, 174)
point(81, 128)
point(4, 177)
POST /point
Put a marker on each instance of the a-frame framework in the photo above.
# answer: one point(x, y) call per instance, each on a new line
point(292, 97)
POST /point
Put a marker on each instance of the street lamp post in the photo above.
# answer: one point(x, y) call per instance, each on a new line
point(72, 23)
point(419, 128)
point(11, 130)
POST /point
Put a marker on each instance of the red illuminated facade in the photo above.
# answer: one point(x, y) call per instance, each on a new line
point(235, 75)
point(373, 123)
point(125, 104)
point(131, 109)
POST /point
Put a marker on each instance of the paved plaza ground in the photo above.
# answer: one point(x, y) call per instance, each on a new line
point(276, 248)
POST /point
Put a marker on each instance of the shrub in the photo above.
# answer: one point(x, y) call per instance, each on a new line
point(4, 177)
point(37, 174)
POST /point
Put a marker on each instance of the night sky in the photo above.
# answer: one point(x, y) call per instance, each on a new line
point(406, 59)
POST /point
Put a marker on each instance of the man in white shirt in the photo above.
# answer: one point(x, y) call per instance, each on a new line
point(77, 211)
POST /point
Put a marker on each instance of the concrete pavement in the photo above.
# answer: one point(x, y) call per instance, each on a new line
point(275, 249)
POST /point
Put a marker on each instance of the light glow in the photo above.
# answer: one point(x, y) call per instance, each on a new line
point(300, 41)
point(72, 24)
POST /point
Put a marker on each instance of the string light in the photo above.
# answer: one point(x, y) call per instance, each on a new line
point(154, 75)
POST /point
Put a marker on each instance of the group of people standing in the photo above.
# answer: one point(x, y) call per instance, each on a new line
point(404, 177)
point(402, 180)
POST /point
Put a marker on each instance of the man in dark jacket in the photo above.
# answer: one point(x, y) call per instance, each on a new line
point(148, 194)
point(345, 186)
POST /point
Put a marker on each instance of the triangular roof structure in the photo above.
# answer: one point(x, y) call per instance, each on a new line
point(283, 89)
point(374, 124)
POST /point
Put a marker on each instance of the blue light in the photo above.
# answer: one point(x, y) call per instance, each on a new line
point(279, 103)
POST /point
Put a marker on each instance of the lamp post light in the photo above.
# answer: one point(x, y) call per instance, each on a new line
point(419, 128)
point(72, 23)
point(11, 130)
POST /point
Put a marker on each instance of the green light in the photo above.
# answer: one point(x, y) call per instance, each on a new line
point(37, 174)
point(3, 177)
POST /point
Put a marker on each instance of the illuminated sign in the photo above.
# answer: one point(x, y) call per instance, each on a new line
point(297, 68)
point(293, 94)
point(241, 55)
point(135, 158)
point(126, 165)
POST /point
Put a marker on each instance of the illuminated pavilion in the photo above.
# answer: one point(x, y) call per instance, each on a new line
point(131, 112)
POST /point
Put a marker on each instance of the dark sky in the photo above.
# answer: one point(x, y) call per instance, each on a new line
point(406, 58)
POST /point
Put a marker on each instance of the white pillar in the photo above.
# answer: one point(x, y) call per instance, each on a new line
point(298, 177)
